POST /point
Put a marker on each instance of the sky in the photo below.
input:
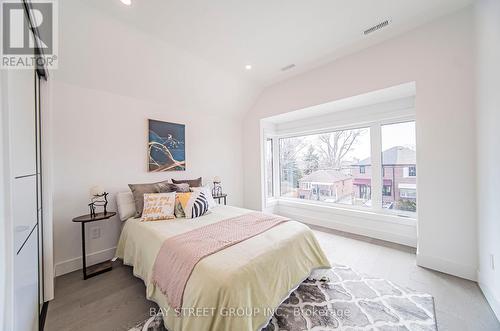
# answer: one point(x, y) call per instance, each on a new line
point(401, 134)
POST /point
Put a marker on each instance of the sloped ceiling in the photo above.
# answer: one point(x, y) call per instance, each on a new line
point(271, 34)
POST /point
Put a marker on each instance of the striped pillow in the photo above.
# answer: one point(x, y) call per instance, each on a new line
point(196, 205)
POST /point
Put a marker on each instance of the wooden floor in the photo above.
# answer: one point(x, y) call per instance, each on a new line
point(116, 300)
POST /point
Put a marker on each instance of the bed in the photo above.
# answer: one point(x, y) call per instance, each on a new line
point(234, 289)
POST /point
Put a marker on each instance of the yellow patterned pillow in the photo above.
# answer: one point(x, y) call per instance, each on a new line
point(194, 204)
point(158, 206)
point(183, 198)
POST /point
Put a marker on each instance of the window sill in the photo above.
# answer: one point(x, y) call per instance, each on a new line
point(271, 202)
point(371, 215)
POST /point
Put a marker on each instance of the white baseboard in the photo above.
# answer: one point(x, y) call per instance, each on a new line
point(448, 267)
point(490, 296)
point(71, 265)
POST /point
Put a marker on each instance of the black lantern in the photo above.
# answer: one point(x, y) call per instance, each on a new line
point(217, 190)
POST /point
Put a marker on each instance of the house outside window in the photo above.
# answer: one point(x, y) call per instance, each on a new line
point(324, 167)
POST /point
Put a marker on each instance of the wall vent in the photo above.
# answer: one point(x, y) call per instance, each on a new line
point(377, 27)
point(288, 67)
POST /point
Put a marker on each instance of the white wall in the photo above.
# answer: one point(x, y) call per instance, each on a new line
point(439, 58)
point(488, 151)
point(111, 79)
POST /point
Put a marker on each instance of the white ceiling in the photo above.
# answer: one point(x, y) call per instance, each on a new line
point(271, 34)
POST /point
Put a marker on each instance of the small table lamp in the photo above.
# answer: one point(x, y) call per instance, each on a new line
point(96, 190)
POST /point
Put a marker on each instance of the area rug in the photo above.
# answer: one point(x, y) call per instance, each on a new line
point(343, 299)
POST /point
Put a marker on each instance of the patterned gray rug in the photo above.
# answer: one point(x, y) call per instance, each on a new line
point(343, 299)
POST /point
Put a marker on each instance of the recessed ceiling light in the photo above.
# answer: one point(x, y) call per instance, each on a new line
point(248, 67)
point(126, 2)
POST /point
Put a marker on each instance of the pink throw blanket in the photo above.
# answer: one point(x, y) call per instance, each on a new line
point(179, 254)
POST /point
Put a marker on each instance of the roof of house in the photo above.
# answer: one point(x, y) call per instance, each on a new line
point(325, 176)
point(395, 155)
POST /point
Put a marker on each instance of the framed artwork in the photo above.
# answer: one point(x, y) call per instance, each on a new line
point(166, 146)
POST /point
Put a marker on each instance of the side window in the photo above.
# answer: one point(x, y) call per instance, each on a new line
point(269, 168)
point(399, 161)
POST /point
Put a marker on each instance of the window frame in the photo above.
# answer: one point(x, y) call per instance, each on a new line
point(272, 168)
point(375, 127)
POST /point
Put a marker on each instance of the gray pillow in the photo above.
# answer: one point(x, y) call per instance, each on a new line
point(166, 187)
point(138, 191)
point(181, 188)
point(192, 182)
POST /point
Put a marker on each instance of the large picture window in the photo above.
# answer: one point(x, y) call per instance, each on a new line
point(331, 167)
point(336, 167)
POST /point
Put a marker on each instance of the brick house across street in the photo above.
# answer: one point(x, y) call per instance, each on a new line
point(352, 184)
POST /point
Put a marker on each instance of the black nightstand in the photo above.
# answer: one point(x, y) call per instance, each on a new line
point(220, 197)
point(99, 268)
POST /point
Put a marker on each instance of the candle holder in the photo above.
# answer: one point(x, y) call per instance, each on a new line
point(217, 190)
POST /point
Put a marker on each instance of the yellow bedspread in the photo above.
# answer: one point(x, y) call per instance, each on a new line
point(235, 289)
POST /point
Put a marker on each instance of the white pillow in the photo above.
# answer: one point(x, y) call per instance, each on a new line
point(158, 206)
point(208, 194)
point(126, 205)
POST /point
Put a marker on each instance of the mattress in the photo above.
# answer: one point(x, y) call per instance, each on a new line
point(237, 288)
